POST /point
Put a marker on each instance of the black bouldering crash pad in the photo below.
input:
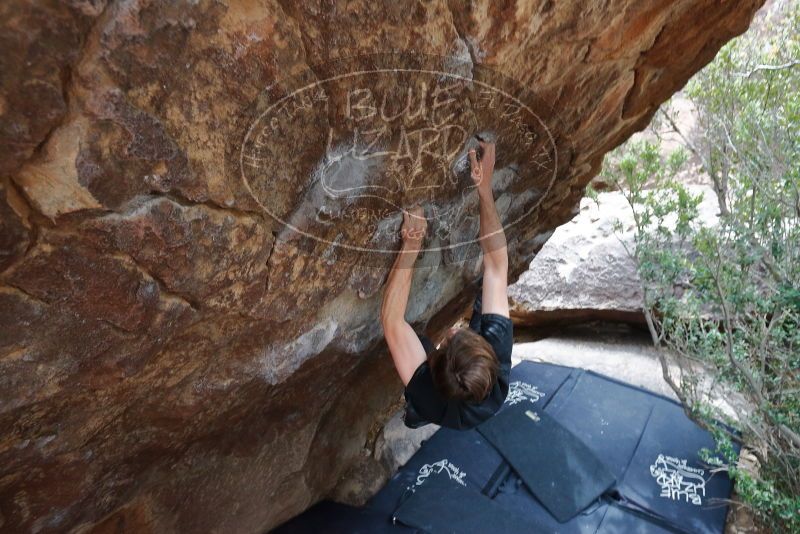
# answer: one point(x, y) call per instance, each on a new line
point(556, 466)
point(644, 441)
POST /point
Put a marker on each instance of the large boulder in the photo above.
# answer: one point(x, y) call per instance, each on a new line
point(189, 292)
point(585, 271)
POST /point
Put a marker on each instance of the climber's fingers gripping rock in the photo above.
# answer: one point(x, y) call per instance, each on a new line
point(415, 226)
point(483, 169)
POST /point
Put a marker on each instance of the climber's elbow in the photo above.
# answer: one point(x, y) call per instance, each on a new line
point(496, 262)
point(389, 318)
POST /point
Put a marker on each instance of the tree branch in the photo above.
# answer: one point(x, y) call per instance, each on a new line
point(759, 68)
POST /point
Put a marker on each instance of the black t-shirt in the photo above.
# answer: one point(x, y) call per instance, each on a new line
point(429, 404)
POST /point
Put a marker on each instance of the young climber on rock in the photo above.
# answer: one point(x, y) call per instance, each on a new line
point(464, 381)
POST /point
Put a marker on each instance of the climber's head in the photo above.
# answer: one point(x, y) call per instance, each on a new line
point(465, 366)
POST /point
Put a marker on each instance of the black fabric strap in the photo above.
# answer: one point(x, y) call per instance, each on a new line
point(497, 479)
point(441, 505)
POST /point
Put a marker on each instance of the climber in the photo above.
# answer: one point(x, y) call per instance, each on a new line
point(464, 381)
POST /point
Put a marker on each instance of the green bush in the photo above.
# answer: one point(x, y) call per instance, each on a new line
point(722, 300)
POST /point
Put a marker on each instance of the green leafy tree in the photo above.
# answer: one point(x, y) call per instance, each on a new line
point(722, 299)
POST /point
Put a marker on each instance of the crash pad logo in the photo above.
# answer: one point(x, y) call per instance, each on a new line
point(338, 152)
point(442, 466)
point(679, 481)
point(522, 391)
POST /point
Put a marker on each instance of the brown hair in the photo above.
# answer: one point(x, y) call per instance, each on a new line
point(466, 369)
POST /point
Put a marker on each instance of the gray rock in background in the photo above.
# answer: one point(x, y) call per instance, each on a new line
point(584, 272)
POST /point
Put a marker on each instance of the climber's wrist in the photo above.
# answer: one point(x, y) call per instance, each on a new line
point(411, 247)
point(485, 191)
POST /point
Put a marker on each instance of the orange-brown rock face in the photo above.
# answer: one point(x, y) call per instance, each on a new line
point(198, 205)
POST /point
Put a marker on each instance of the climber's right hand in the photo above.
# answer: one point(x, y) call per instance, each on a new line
point(483, 169)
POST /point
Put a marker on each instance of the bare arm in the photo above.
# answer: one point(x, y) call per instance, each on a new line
point(492, 236)
point(404, 345)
